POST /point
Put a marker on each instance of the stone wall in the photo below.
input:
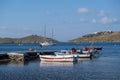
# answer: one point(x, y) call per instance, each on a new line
point(16, 56)
point(19, 56)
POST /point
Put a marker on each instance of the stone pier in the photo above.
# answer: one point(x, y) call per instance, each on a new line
point(16, 56)
point(19, 56)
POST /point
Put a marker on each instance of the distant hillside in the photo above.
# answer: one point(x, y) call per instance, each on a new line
point(27, 39)
point(106, 36)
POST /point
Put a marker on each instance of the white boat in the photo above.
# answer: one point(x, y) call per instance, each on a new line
point(84, 54)
point(46, 43)
point(56, 57)
point(90, 51)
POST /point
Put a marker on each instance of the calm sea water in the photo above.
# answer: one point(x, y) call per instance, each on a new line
point(104, 67)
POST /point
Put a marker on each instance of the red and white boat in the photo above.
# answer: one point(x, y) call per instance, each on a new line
point(56, 57)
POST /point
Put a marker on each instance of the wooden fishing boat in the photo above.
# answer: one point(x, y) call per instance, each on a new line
point(58, 57)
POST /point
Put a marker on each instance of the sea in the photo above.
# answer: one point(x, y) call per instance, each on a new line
point(106, 66)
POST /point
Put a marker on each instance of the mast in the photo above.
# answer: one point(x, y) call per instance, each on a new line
point(52, 33)
point(44, 36)
point(45, 31)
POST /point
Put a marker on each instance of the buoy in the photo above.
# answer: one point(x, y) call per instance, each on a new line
point(30, 49)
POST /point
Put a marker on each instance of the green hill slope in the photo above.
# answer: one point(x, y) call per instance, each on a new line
point(27, 39)
point(106, 36)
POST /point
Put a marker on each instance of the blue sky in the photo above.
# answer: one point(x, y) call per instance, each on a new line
point(68, 18)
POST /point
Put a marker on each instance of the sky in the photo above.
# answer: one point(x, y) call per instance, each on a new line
point(68, 19)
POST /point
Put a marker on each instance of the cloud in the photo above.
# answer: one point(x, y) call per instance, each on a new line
point(107, 20)
point(100, 16)
point(83, 10)
point(101, 13)
point(94, 21)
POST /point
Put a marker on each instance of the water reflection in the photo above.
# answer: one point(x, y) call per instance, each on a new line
point(18, 62)
point(84, 59)
point(13, 62)
point(42, 63)
point(62, 64)
point(54, 64)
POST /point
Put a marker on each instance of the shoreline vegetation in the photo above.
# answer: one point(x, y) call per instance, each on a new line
point(106, 36)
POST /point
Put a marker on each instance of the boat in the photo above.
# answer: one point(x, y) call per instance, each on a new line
point(84, 54)
point(57, 57)
point(46, 43)
point(98, 48)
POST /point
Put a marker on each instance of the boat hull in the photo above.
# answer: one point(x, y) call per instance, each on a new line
point(84, 55)
point(58, 58)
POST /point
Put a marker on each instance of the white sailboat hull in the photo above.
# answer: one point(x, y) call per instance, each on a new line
point(46, 43)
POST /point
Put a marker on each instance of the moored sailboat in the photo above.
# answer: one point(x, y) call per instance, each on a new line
point(46, 43)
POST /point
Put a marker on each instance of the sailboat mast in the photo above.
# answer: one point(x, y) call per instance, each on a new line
point(45, 30)
point(52, 33)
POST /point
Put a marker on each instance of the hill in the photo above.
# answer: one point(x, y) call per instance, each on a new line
point(27, 39)
point(106, 36)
